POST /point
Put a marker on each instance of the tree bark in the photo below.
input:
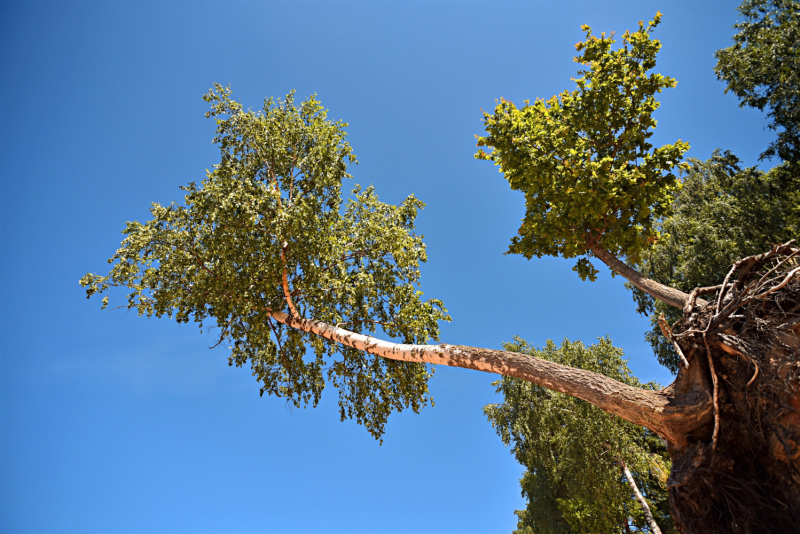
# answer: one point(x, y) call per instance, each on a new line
point(648, 515)
point(671, 413)
point(669, 295)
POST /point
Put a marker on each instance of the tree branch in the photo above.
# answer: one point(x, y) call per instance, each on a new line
point(648, 515)
point(660, 411)
point(666, 294)
point(287, 294)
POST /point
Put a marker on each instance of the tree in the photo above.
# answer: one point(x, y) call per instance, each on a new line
point(762, 68)
point(297, 280)
point(707, 494)
point(722, 213)
point(576, 455)
point(593, 184)
point(267, 231)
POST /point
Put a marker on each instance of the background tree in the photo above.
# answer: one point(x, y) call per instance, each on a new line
point(262, 242)
point(574, 453)
point(762, 68)
point(723, 212)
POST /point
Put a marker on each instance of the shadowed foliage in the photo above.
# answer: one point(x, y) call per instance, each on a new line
point(571, 450)
point(722, 213)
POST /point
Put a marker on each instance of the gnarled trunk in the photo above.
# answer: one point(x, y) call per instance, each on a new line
point(740, 472)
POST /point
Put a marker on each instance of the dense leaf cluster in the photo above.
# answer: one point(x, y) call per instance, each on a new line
point(723, 212)
point(572, 450)
point(762, 68)
point(267, 230)
point(583, 159)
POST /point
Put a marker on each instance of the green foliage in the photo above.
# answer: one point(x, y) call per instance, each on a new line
point(722, 213)
point(571, 449)
point(273, 205)
point(583, 159)
point(762, 68)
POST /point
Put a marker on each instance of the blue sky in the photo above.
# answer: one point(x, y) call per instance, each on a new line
point(114, 423)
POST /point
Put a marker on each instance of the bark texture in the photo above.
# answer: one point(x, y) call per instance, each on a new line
point(741, 472)
point(669, 295)
point(671, 413)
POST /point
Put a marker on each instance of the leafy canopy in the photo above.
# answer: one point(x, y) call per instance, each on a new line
point(583, 159)
point(762, 68)
point(267, 222)
point(571, 450)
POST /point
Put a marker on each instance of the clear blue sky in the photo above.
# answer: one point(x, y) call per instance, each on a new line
point(114, 423)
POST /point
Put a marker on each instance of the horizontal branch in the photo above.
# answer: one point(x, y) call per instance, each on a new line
point(655, 410)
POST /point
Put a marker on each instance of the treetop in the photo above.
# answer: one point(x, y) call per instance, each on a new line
point(582, 158)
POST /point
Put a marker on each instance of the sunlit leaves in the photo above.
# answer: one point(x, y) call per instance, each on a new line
point(268, 226)
point(583, 159)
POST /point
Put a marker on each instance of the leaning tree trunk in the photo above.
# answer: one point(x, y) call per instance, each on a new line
point(740, 472)
point(731, 419)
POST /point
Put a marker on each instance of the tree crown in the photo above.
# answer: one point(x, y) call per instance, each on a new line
point(267, 230)
point(583, 159)
point(762, 68)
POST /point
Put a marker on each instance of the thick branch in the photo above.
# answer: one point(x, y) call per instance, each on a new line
point(669, 295)
point(656, 410)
